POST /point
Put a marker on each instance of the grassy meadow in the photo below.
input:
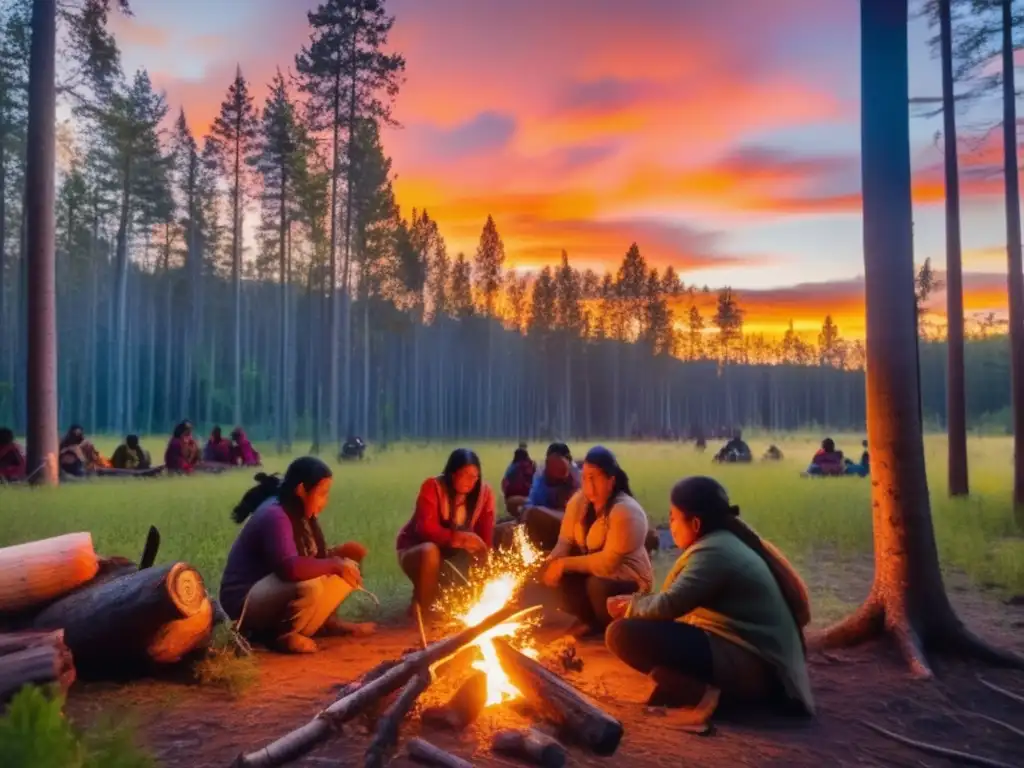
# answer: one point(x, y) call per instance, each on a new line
point(810, 519)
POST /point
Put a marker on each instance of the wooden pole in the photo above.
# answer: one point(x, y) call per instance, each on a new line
point(538, 748)
point(423, 751)
point(387, 730)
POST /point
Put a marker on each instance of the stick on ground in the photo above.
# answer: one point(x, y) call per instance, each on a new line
point(1002, 691)
point(538, 748)
point(387, 730)
point(423, 751)
point(932, 749)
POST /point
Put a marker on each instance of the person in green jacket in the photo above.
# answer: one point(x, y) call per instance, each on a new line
point(729, 619)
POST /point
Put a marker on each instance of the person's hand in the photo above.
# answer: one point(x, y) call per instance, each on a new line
point(553, 573)
point(618, 605)
point(349, 571)
point(470, 542)
point(352, 550)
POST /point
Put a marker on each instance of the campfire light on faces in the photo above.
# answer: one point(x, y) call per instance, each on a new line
point(502, 578)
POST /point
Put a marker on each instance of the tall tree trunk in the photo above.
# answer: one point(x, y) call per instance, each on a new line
point(956, 402)
point(121, 305)
point(283, 347)
point(346, 389)
point(236, 274)
point(40, 234)
point(1013, 251)
point(907, 597)
point(334, 331)
point(4, 347)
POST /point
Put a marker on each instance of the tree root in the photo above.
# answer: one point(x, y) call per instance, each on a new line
point(1002, 691)
point(970, 645)
point(932, 749)
point(1005, 726)
point(910, 647)
point(864, 623)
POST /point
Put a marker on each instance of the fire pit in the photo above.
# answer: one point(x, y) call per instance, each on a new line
point(489, 626)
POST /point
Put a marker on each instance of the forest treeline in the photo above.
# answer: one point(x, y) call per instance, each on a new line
point(347, 314)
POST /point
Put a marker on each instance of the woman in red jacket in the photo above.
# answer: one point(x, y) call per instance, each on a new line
point(453, 521)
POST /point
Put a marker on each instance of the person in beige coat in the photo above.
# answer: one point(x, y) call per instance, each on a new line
point(600, 551)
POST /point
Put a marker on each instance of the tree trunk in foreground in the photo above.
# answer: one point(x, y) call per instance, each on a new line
point(122, 623)
point(908, 598)
point(37, 572)
point(956, 402)
point(1013, 250)
point(40, 222)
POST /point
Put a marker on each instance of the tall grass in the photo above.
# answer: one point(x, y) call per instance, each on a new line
point(372, 499)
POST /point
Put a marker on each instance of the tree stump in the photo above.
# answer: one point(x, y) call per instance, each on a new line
point(134, 620)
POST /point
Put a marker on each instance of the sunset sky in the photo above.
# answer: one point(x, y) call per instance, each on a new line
point(722, 137)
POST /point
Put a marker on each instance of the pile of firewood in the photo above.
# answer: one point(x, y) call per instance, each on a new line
point(64, 611)
point(400, 683)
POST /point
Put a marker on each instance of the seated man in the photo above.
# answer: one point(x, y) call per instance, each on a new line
point(736, 451)
point(78, 456)
point(827, 462)
point(863, 469)
point(352, 449)
point(552, 488)
point(131, 455)
point(12, 459)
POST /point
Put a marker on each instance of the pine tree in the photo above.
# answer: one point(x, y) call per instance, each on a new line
point(543, 305)
point(829, 343)
point(695, 333)
point(460, 289)
point(234, 134)
point(729, 322)
point(488, 266)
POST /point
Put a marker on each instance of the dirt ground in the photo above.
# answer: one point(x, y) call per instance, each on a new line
point(195, 727)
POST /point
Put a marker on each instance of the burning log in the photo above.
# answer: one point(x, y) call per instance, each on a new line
point(464, 708)
point(297, 743)
point(424, 752)
point(556, 699)
point(532, 745)
point(150, 616)
point(34, 658)
point(387, 730)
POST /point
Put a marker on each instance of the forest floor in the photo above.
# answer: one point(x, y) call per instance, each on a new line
point(824, 525)
point(190, 726)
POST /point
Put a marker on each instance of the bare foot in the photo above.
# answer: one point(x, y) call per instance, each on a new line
point(335, 627)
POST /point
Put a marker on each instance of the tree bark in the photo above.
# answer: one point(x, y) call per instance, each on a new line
point(40, 223)
point(568, 708)
point(538, 748)
point(907, 598)
point(111, 627)
point(424, 752)
point(1015, 275)
point(387, 729)
point(956, 402)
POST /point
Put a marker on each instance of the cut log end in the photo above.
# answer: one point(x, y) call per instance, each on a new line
point(186, 589)
point(532, 745)
point(464, 708)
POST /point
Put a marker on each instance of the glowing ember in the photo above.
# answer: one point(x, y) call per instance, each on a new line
point(504, 575)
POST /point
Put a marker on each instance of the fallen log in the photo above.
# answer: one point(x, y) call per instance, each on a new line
point(532, 745)
point(116, 626)
point(298, 742)
point(423, 751)
point(35, 573)
point(464, 708)
point(387, 729)
point(574, 712)
point(34, 658)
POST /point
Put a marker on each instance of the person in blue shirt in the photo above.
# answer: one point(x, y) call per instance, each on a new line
point(550, 493)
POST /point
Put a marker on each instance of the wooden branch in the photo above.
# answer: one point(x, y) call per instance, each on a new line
point(369, 677)
point(577, 714)
point(1002, 691)
point(932, 749)
point(532, 745)
point(464, 708)
point(424, 752)
point(387, 730)
point(298, 742)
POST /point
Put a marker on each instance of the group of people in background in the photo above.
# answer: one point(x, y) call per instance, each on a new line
point(728, 621)
point(78, 457)
point(830, 462)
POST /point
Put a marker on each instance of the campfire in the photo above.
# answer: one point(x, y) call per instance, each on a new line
point(491, 628)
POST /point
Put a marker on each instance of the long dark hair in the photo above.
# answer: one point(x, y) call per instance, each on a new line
point(74, 436)
point(605, 460)
point(180, 429)
point(459, 458)
point(306, 472)
point(707, 500)
point(216, 435)
point(6, 437)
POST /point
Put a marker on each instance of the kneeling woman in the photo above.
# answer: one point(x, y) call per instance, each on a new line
point(729, 618)
point(281, 583)
point(600, 550)
point(453, 521)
